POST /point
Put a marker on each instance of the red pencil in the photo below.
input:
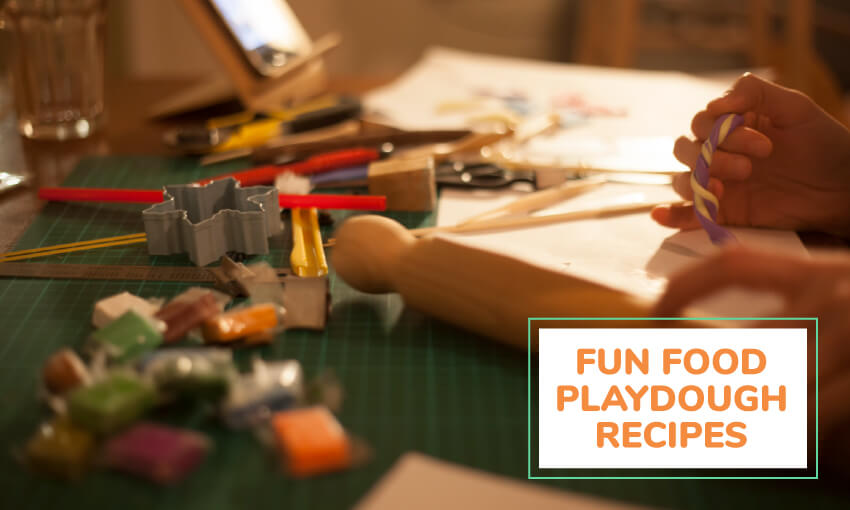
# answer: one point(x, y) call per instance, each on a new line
point(143, 196)
point(321, 163)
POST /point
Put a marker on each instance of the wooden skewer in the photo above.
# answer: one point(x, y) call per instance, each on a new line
point(538, 200)
point(443, 151)
point(533, 221)
point(60, 249)
point(518, 164)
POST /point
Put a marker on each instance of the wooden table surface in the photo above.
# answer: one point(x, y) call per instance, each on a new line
point(127, 131)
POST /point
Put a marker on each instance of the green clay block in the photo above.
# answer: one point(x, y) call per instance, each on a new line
point(198, 373)
point(128, 336)
point(60, 449)
point(111, 403)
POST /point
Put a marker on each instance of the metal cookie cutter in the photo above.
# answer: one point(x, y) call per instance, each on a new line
point(210, 220)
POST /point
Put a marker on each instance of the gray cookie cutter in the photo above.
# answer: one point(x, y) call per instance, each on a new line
point(210, 220)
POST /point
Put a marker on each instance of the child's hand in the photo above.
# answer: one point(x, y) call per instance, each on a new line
point(811, 288)
point(787, 167)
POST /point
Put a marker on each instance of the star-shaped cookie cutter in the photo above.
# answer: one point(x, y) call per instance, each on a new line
point(207, 221)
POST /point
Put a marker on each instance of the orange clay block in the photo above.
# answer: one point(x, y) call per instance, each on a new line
point(311, 441)
point(64, 371)
point(243, 322)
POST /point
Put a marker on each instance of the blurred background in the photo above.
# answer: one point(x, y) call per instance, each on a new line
point(154, 49)
point(383, 37)
point(802, 39)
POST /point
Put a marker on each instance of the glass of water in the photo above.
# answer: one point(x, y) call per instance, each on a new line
point(57, 60)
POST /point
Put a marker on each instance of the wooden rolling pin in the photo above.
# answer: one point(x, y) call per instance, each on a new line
point(485, 292)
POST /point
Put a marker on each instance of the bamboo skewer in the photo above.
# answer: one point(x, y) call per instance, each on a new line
point(60, 249)
point(533, 221)
point(538, 199)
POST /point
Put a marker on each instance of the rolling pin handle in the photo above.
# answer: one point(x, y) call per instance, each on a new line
point(367, 252)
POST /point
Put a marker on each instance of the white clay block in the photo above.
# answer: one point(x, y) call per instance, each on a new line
point(110, 308)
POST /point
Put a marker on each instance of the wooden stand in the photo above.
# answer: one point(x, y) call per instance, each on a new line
point(302, 78)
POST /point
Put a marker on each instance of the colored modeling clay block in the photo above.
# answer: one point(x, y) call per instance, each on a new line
point(271, 387)
point(311, 441)
point(60, 449)
point(63, 371)
point(161, 454)
point(200, 372)
point(180, 317)
point(128, 336)
point(239, 323)
point(110, 403)
point(110, 308)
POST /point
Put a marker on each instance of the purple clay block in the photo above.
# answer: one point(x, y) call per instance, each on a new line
point(162, 454)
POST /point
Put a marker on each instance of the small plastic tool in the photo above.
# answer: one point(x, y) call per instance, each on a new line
point(163, 455)
point(308, 254)
point(111, 403)
point(248, 130)
point(60, 449)
point(129, 336)
point(311, 441)
point(64, 371)
point(239, 323)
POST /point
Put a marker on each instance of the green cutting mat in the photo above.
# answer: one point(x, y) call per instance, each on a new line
point(411, 383)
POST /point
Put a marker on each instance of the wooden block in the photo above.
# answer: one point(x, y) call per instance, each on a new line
point(408, 183)
point(306, 301)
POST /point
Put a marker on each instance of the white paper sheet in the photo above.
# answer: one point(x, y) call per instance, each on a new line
point(613, 118)
point(419, 482)
point(631, 252)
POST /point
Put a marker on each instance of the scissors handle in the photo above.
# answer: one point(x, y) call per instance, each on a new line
point(481, 175)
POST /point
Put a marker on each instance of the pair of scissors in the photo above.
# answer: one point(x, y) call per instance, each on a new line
point(481, 175)
point(454, 174)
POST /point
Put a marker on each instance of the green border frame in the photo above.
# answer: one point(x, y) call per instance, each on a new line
point(817, 377)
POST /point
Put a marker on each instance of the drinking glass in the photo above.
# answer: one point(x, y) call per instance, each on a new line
point(57, 60)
